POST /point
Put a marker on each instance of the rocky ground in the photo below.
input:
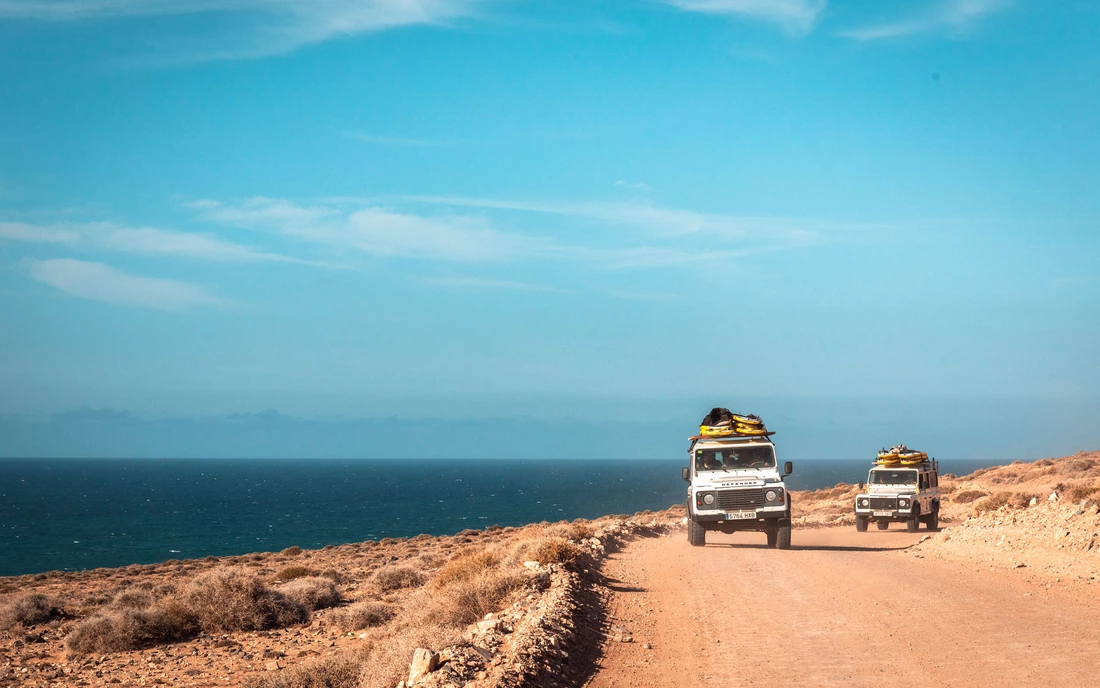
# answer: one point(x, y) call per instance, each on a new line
point(1073, 478)
point(499, 607)
point(1040, 518)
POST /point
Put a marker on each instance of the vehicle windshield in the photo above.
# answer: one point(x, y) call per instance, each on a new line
point(732, 458)
point(885, 477)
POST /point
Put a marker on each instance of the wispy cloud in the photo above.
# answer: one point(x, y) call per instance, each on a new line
point(21, 231)
point(99, 282)
point(638, 186)
point(945, 15)
point(380, 231)
point(272, 26)
point(659, 220)
point(443, 228)
point(797, 15)
point(141, 240)
point(467, 282)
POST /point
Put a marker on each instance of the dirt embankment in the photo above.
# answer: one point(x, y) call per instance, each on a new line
point(499, 607)
point(1040, 517)
point(1073, 478)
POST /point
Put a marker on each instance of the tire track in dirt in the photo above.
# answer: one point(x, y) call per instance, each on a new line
point(840, 609)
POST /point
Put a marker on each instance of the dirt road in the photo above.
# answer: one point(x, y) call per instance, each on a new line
point(839, 609)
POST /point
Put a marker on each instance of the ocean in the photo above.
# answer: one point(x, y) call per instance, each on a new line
point(73, 514)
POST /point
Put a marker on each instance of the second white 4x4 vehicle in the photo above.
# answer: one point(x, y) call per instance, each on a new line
point(903, 493)
point(736, 485)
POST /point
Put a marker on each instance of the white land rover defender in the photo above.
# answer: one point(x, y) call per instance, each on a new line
point(735, 485)
point(909, 493)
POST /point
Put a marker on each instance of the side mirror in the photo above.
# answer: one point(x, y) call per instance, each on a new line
point(685, 473)
point(860, 484)
point(788, 468)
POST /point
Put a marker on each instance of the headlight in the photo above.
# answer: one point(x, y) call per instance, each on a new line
point(863, 503)
point(770, 495)
point(902, 503)
point(708, 499)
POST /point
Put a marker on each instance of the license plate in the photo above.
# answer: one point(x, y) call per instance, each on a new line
point(884, 513)
point(735, 515)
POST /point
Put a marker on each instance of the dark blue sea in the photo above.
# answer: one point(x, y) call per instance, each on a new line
point(72, 514)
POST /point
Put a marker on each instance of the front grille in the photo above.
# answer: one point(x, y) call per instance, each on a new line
point(890, 503)
point(740, 500)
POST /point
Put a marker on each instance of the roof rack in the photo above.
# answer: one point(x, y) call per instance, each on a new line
point(696, 438)
point(933, 461)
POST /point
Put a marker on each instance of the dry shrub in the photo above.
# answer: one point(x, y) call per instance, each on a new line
point(556, 550)
point(467, 601)
point(1002, 477)
point(581, 530)
point(362, 615)
point(395, 578)
point(132, 599)
point(292, 572)
point(1079, 492)
point(340, 671)
point(30, 610)
point(233, 600)
point(312, 592)
point(1016, 500)
point(967, 496)
point(1075, 466)
point(292, 551)
point(133, 629)
point(388, 661)
point(467, 566)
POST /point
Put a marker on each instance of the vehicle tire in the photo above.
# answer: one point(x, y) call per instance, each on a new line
point(934, 518)
point(861, 524)
point(783, 537)
point(773, 535)
point(913, 524)
point(697, 534)
point(882, 525)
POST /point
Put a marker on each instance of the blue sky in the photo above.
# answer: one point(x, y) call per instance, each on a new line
point(360, 207)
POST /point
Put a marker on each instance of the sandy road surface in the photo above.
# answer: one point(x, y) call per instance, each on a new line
point(839, 609)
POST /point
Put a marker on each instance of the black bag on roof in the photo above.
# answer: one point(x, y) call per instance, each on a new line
point(718, 417)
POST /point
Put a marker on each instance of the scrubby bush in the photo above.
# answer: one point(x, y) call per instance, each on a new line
point(312, 592)
point(341, 671)
point(968, 496)
point(466, 566)
point(133, 629)
point(132, 599)
point(466, 601)
point(395, 578)
point(292, 551)
point(1079, 492)
point(556, 550)
point(233, 600)
point(362, 615)
point(30, 610)
point(1018, 500)
point(292, 572)
point(581, 530)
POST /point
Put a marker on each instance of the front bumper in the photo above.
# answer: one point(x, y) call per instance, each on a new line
point(765, 514)
point(885, 507)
